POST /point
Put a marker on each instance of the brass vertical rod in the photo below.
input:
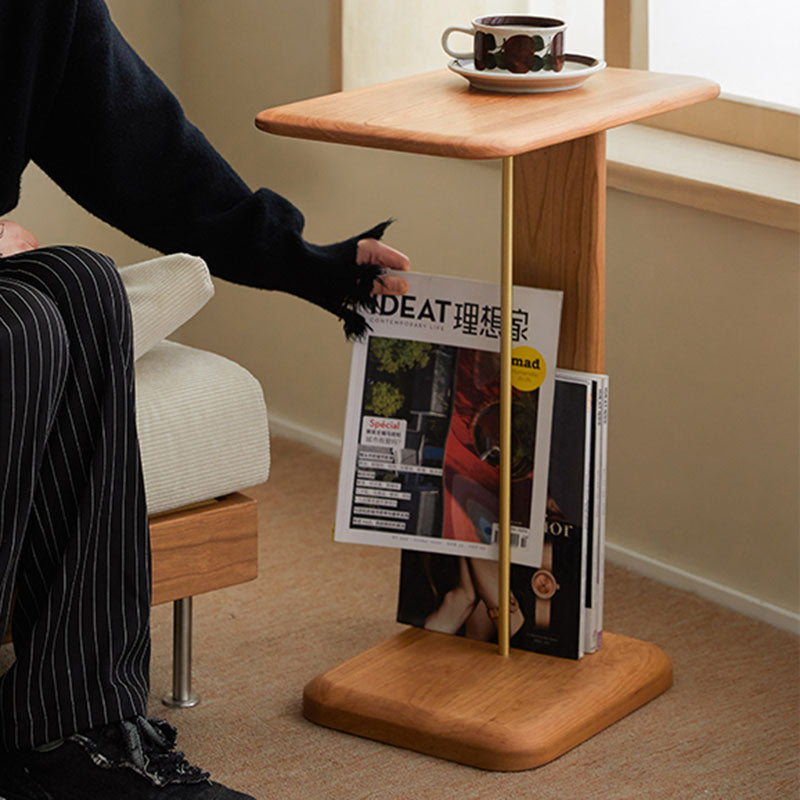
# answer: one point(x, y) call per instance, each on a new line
point(506, 283)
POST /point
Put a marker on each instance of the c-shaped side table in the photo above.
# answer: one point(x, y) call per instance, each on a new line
point(445, 695)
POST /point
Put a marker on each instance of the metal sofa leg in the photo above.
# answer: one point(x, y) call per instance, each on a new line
point(181, 695)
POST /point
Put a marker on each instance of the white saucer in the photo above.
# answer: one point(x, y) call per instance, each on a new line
point(576, 70)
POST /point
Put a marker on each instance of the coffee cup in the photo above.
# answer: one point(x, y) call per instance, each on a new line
point(513, 43)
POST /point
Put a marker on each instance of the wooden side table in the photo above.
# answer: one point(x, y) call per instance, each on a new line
point(444, 695)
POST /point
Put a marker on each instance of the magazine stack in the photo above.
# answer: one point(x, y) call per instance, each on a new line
point(420, 465)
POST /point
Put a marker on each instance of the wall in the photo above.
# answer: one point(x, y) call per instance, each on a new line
point(702, 348)
point(702, 309)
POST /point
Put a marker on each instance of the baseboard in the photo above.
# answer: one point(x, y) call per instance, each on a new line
point(280, 426)
point(716, 592)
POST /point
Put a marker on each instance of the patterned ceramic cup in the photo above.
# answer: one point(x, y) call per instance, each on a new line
point(514, 43)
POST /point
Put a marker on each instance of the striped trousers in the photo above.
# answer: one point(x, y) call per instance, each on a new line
point(74, 545)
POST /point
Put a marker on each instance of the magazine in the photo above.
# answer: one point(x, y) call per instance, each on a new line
point(591, 642)
point(457, 595)
point(420, 454)
point(599, 577)
point(597, 387)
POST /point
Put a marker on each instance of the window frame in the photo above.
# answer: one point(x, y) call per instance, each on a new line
point(730, 119)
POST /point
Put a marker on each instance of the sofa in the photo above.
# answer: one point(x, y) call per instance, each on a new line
point(204, 436)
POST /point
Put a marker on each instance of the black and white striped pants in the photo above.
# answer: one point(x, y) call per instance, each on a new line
point(74, 545)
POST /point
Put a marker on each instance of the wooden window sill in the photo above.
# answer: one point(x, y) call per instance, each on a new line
point(735, 181)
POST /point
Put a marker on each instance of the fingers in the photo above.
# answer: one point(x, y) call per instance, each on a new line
point(371, 251)
point(390, 285)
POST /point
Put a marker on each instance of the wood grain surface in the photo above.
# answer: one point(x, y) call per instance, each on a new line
point(200, 549)
point(439, 114)
point(559, 239)
point(457, 699)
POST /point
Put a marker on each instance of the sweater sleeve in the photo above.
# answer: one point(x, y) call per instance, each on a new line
point(122, 147)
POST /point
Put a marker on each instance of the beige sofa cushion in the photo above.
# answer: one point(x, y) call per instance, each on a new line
point(202, 425)
point(164, 292)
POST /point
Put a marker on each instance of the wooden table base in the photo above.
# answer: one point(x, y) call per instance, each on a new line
point(458, 699)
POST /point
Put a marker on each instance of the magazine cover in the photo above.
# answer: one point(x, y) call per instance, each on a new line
point(459, 595)
point(420, 454)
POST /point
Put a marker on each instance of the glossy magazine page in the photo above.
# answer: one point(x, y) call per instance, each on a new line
point(420, 454)
point(459, 595)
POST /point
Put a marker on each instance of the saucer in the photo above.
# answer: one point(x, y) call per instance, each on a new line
point(576, 70)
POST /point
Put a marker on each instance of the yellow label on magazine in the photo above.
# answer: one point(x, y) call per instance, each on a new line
point(528, 369)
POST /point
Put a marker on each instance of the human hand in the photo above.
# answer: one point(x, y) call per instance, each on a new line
point(372, 251)
point(15, 239)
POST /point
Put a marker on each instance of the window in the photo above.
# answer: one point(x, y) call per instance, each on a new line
point(758, 107)
point(752, 56)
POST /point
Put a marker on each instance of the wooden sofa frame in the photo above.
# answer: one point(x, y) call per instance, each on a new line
point(197, 549)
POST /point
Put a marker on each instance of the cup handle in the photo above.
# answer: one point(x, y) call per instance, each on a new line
point(446, 36)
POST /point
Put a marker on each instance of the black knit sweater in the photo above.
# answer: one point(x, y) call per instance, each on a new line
point(76, 99)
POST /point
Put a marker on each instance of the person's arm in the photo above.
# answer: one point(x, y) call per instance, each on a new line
point(119, 143)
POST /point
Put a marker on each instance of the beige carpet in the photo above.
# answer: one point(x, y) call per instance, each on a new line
point(728, 729)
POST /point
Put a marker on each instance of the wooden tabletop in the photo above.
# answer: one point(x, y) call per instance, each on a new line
point(439, 114)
